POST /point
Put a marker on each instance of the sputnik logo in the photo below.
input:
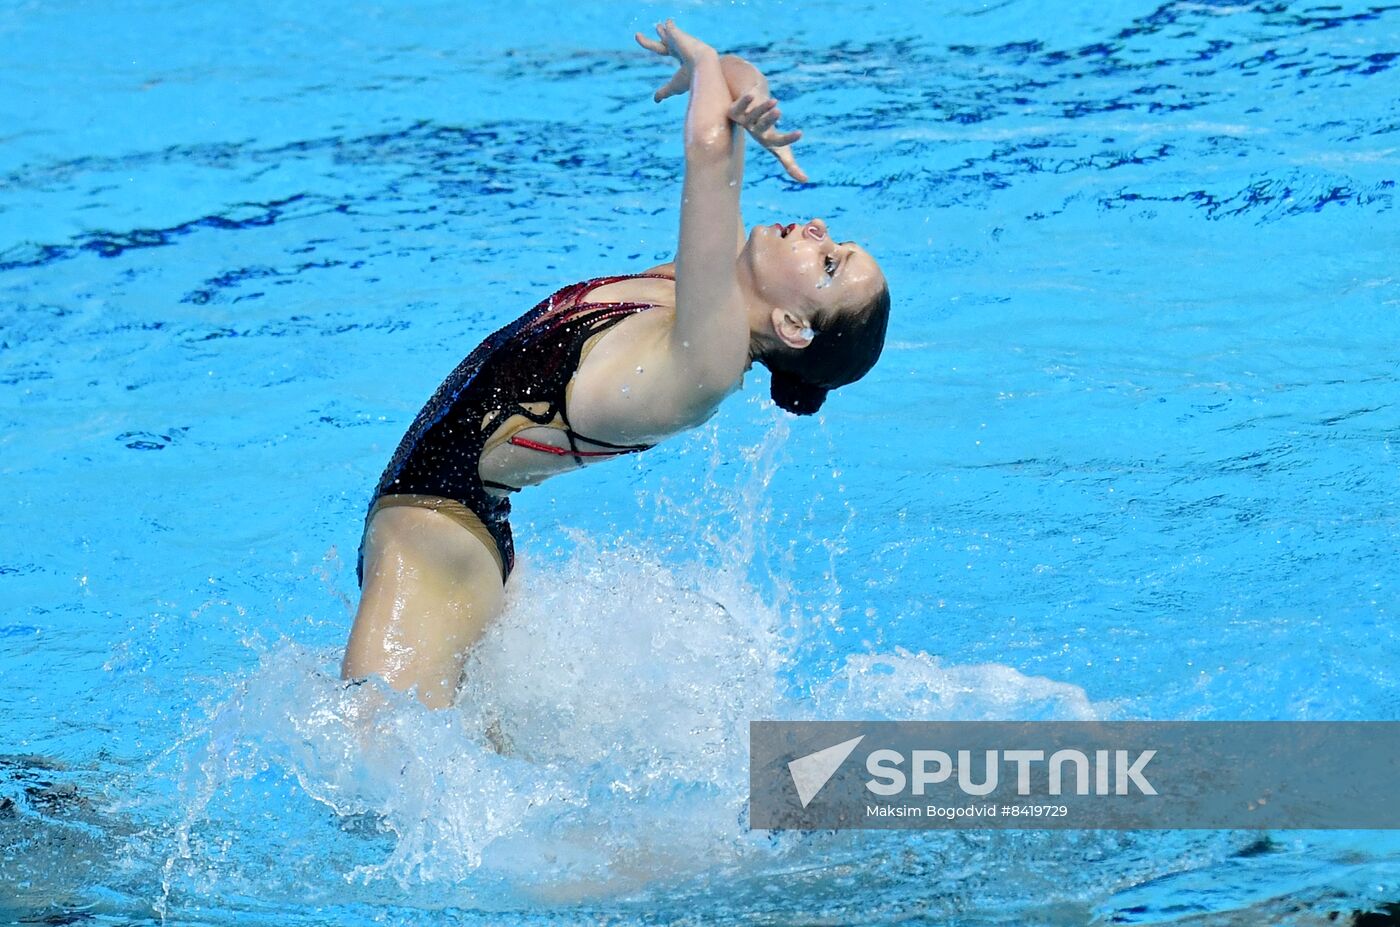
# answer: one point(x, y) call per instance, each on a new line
point(811, 772)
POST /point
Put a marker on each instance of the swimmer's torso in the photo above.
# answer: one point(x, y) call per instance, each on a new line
point(522, 407)
point(511, 456)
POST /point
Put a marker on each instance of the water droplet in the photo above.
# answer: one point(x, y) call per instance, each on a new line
point(626, 389)
point(823, 283)
point(685, 344)
point(639, 369)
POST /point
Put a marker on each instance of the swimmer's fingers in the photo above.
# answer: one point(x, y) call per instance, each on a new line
point(765, 117)
point(785, 157)
point(682, 44)
point(757, 118)
point(760, 121)
point(672, 44)
point(651, 45)
point(738, 110)
point(677, 85)
point(774, 139)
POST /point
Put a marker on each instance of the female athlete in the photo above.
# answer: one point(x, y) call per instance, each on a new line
point(604, 368)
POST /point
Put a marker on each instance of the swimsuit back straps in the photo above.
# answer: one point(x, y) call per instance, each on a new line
point(522, 369)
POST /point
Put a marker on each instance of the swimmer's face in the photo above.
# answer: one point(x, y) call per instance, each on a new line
point(800, 266)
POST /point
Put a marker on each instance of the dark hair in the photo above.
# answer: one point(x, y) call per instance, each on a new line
point(845, 347)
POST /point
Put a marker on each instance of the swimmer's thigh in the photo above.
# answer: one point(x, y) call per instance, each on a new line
point(430, 590)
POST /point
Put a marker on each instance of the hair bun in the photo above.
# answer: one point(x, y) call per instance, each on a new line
point(795, 395)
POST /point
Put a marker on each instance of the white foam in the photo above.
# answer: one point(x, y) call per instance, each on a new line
point(619, 689)
point(905, 685)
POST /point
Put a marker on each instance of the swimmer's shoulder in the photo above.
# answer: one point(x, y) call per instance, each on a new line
point(656, 286)
point(626, 389)
point(668, 269)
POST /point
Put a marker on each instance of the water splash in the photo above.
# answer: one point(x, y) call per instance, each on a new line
point(601, 732)
point(917, 686)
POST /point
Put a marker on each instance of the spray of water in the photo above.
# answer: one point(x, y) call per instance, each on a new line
point(600, 735)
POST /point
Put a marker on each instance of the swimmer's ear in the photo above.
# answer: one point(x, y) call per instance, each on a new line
point(792, 330)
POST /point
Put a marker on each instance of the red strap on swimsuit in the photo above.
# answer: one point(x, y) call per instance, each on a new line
point(565, 452)
point(610, 313)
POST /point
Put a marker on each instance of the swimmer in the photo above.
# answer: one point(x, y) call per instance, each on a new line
point(606, 368)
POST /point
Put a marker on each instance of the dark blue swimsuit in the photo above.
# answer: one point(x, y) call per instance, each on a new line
point(531, 360)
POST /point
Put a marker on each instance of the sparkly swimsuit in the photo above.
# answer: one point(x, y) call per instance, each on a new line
point(528, 363)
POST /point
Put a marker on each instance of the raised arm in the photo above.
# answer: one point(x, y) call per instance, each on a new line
point(710, 337)
point(709, 341)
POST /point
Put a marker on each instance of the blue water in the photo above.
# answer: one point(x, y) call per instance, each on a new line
point(1130, 452)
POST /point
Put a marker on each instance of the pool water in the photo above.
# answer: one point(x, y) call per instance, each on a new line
point(1130, 453)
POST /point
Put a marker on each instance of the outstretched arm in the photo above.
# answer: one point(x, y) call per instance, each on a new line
point(709, 340)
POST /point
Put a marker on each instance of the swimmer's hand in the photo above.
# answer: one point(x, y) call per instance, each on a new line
point(754, 107)
point(758, 113)
point(678, 44)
